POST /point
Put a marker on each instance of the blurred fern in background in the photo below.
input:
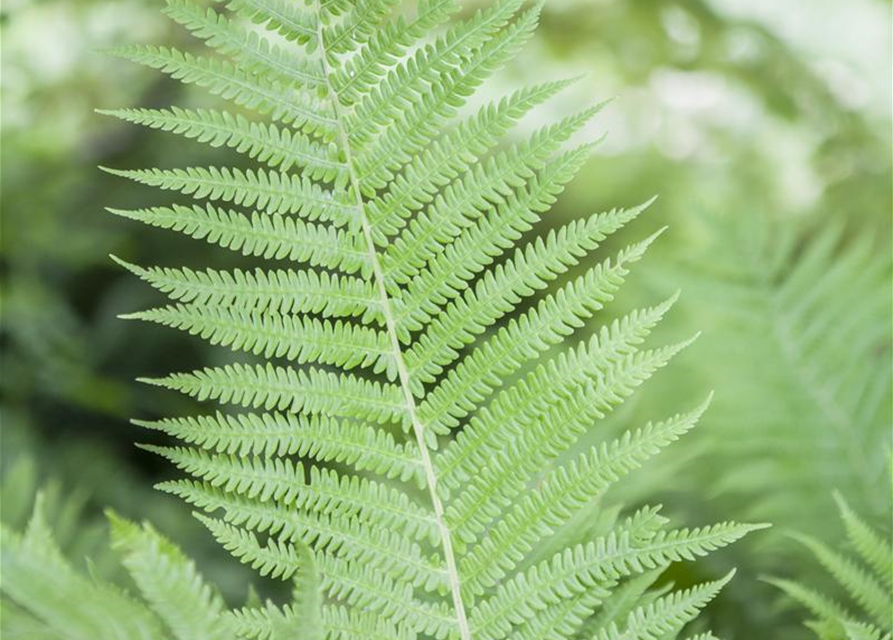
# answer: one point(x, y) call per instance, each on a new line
point(861, 608)
point(799, 355)
point(801, 364)
point(45, 596)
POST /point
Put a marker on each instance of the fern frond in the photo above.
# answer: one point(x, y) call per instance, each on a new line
point(862, 631)
point(338, 623)
point(387, 352)
point(448, 272)
point(573, 370)
point(312, 391)
point(868, 588)
point(817, 603)
point(391, 554)
point(595, 567)
point(253, 52)
point(484, 497)
point(561, 494)
point(360, 22)
point(347, 497)
point(359, 74)
point(40, 580)
point(364, 588)
point(630, 594)
point(282, 481)
point(45, 597)
point(799, 331)
point(450, 155)
point(406, 84)
point(276, 558)
point(666, 615)
point(170, 582)
point(307, 596)
point(416, 128)
point(274, 335)
point(870, 544)
point(288, 19)
point(497, 292)
point(464, 201)
point(523, 339)
point(861, 586)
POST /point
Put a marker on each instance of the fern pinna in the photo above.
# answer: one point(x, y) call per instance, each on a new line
point(391, 424)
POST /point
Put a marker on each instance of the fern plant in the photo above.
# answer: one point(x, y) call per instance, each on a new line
point(866, 580)
point(406, 412)
point(45, 597)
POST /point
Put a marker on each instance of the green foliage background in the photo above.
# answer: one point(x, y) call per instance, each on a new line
point(751, 121)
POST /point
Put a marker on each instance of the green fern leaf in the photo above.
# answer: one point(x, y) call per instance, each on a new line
point(169, 580)
point(408, 384)
point(797, 334)
point(666, 615)
point(40, 579)
point(244, 89)
point(319, 437)
point(862, 587)
point(868, 588)
point(876, 551)
point(266, 191)
point(252, 51)
point(44, 596)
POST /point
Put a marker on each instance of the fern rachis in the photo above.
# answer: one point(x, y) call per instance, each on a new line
point(402, 372)
point(408, 226)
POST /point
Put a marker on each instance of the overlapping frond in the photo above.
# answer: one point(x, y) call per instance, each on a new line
point(406, 383)
point(45, 596)
point(664, 616)
point(42, 582)
point(171, 583)
point(865, 582)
